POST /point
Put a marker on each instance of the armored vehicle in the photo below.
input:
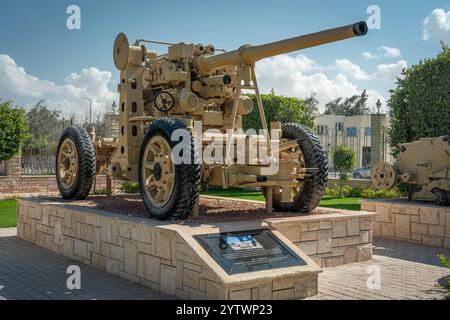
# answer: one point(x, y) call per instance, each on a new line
point(424, 165)
point(165, 98)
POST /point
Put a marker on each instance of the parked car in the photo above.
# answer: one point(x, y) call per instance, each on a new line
point(362, 173)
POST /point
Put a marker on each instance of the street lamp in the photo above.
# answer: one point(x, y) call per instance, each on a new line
point(378, 104)
point(90, 109)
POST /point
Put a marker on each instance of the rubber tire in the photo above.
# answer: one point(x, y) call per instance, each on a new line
point(314, 187)
point(443, 199)
point(357, 175)
point(187, 176)
point(86, 163)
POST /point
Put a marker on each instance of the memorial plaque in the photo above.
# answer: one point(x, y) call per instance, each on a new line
point(247, 251)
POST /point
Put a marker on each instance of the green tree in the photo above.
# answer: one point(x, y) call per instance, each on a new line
point(420, 104)
point(278, 108)
point(44, 128)
point(344, 160)
point(13, 130)
point(353, 106)
point(312, 105)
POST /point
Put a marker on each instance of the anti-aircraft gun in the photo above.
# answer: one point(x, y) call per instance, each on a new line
point(192, 83)
point(424, 165)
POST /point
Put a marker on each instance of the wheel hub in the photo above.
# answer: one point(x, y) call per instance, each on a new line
point(384, 176)
point(157, 171)
point(67, 165)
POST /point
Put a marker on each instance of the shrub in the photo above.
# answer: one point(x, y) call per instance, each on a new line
point(370, 193)
point(446, 263)
point(12, 197)
point(129, 187)
point(362, 192)
point(332, 191)
point(99, 191)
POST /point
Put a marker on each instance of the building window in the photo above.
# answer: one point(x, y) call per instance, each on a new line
point(2, 167)
point(365, 156)
point(368, 131)
point(339, 127)
point(351, 132)
point(322, 130)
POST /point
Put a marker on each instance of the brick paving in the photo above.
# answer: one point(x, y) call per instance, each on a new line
point(29, 272)
point(407, 271)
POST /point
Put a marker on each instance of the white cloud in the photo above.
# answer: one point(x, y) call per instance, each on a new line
point(389, 72)
point(437, 26)
point(279, 73)
point(68, 97)
point(369, 56)
point(350, 69)
point(384, 72)
point(299, 63)
point(390, 52)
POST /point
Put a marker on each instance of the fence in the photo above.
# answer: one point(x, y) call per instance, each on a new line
point(39, 161)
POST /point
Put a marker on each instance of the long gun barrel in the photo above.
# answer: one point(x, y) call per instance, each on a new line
point(248, 55)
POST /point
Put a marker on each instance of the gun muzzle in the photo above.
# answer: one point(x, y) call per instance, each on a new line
point(360, 29)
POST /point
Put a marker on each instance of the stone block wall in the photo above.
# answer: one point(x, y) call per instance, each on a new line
point(330, 239)
point(412, 222)
point(37, 184)
point(13, 167)
point(164, 257)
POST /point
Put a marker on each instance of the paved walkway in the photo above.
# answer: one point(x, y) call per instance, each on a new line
point(30, 272)
point(406, 271)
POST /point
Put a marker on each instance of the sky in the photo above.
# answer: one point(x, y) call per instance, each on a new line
point(41, 58)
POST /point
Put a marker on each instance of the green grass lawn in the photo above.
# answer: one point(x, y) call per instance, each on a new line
point(7, 213)
point(327, 202)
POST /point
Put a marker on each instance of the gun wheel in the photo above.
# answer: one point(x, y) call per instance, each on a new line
point(313, 171)
point(169, 190)
point(441, 196)
point(75, 163)
point(384, 176)
point(159, 171)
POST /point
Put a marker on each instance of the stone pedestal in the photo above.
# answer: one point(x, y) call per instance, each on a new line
point(412, 222)
point(333, 239)
point(167, 257)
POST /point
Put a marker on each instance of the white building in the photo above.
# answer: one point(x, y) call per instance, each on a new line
point(354, 132)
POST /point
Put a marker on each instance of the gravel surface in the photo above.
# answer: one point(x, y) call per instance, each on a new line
point(211, 210)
